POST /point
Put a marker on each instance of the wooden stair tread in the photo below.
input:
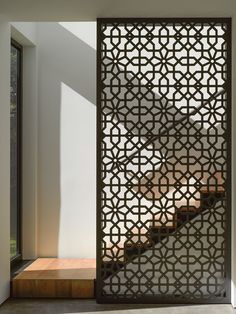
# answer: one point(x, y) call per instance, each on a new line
point(55, 277)
point(159, 229)
point(188, 209)
point(54, 268)
point(219, 189)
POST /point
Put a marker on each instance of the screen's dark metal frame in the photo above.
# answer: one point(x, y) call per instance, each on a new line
point(150, 299)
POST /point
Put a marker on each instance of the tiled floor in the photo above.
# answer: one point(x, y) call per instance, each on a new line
point(26, 306)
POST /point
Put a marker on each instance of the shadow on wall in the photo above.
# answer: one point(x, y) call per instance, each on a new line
point(66, 191)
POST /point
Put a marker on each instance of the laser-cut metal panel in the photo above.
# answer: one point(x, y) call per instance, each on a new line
point(164, 186)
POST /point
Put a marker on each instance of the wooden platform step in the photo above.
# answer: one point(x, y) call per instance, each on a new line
point(56, 278)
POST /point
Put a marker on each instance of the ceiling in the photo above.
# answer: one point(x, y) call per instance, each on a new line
point(82, 10)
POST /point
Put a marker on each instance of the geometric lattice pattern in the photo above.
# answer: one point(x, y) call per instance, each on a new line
point(163, 160)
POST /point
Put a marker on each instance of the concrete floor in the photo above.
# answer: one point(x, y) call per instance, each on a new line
point(35, 306)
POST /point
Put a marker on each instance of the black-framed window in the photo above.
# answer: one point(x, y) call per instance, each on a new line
point(15, 151)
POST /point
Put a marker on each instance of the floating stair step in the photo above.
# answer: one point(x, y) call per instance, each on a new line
point(135, 249)
point(186, 213)
point(110, 267)
point(188, 209)
point(159, 233)
point(56, 278)
point(211, 189)
point(210, 197)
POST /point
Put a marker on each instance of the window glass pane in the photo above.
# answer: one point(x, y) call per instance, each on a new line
point(15, 243)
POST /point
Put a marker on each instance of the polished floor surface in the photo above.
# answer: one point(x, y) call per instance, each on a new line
point(35, 306)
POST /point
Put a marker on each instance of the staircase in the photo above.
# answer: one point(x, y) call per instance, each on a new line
point(138, 243)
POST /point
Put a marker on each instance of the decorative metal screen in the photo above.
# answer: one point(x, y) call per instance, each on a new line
point(164, 160)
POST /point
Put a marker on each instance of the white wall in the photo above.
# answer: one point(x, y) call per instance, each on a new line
point(4, 160)
point(24, 33)
point(66, 140)
point(58, 138)
point(30, 151)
